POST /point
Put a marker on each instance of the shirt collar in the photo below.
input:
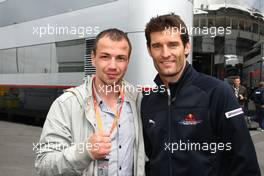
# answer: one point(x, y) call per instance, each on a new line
point(100, 101)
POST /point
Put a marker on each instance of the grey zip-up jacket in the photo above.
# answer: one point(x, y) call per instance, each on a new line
point(70, 121)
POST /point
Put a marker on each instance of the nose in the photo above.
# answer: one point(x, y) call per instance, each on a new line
point(112, 63)
point(165, 52)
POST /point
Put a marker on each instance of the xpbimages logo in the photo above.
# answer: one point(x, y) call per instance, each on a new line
point(210, 31)
point(147, 89)
point(54, 29)
point(212, 147)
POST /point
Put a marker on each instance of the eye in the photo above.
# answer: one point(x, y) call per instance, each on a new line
point(173, 45)
point(156, 45)
point(104, 57)
point(121, 58)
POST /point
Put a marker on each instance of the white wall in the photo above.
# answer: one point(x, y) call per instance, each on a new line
point(55, 79)
point(128, 15)
point(141, 69)
point(103, 16)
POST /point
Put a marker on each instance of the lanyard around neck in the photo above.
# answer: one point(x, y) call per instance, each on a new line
point(97, 114)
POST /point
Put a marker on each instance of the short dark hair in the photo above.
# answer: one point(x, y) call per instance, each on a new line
point(115, 35)
point(237, 77)
point(160, 23)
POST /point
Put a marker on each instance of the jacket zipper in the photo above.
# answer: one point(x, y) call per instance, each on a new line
point(169, 116)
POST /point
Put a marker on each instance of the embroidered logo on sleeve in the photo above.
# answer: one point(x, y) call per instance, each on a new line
point(234, 113)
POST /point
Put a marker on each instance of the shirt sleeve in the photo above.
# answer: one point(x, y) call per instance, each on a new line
point(245, 94)
point(230, 127)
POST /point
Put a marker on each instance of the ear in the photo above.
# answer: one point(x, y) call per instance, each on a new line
point(93, 58)
point(187, 48)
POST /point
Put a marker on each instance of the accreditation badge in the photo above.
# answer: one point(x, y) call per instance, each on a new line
point(103, 166)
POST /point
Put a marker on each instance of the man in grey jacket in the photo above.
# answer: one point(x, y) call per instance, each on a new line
point(94, 129)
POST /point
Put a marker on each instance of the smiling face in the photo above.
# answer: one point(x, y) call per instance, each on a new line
point(168, 53)
point(110, 60)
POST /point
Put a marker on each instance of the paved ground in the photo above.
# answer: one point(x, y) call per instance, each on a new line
point(16, 144)
point(258, 139)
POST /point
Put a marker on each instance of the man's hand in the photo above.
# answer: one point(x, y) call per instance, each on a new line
point(101, 145)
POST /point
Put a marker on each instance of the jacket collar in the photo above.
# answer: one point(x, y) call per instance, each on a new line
point(84, 91)
point(189, 73)
point(84, 96)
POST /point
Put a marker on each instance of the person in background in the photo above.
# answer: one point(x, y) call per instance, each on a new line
point(94, 129)
point(240, 91)
point(259, 104)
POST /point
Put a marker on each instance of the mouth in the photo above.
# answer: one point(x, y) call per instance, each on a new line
point(112, 75)
point(167, 62)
